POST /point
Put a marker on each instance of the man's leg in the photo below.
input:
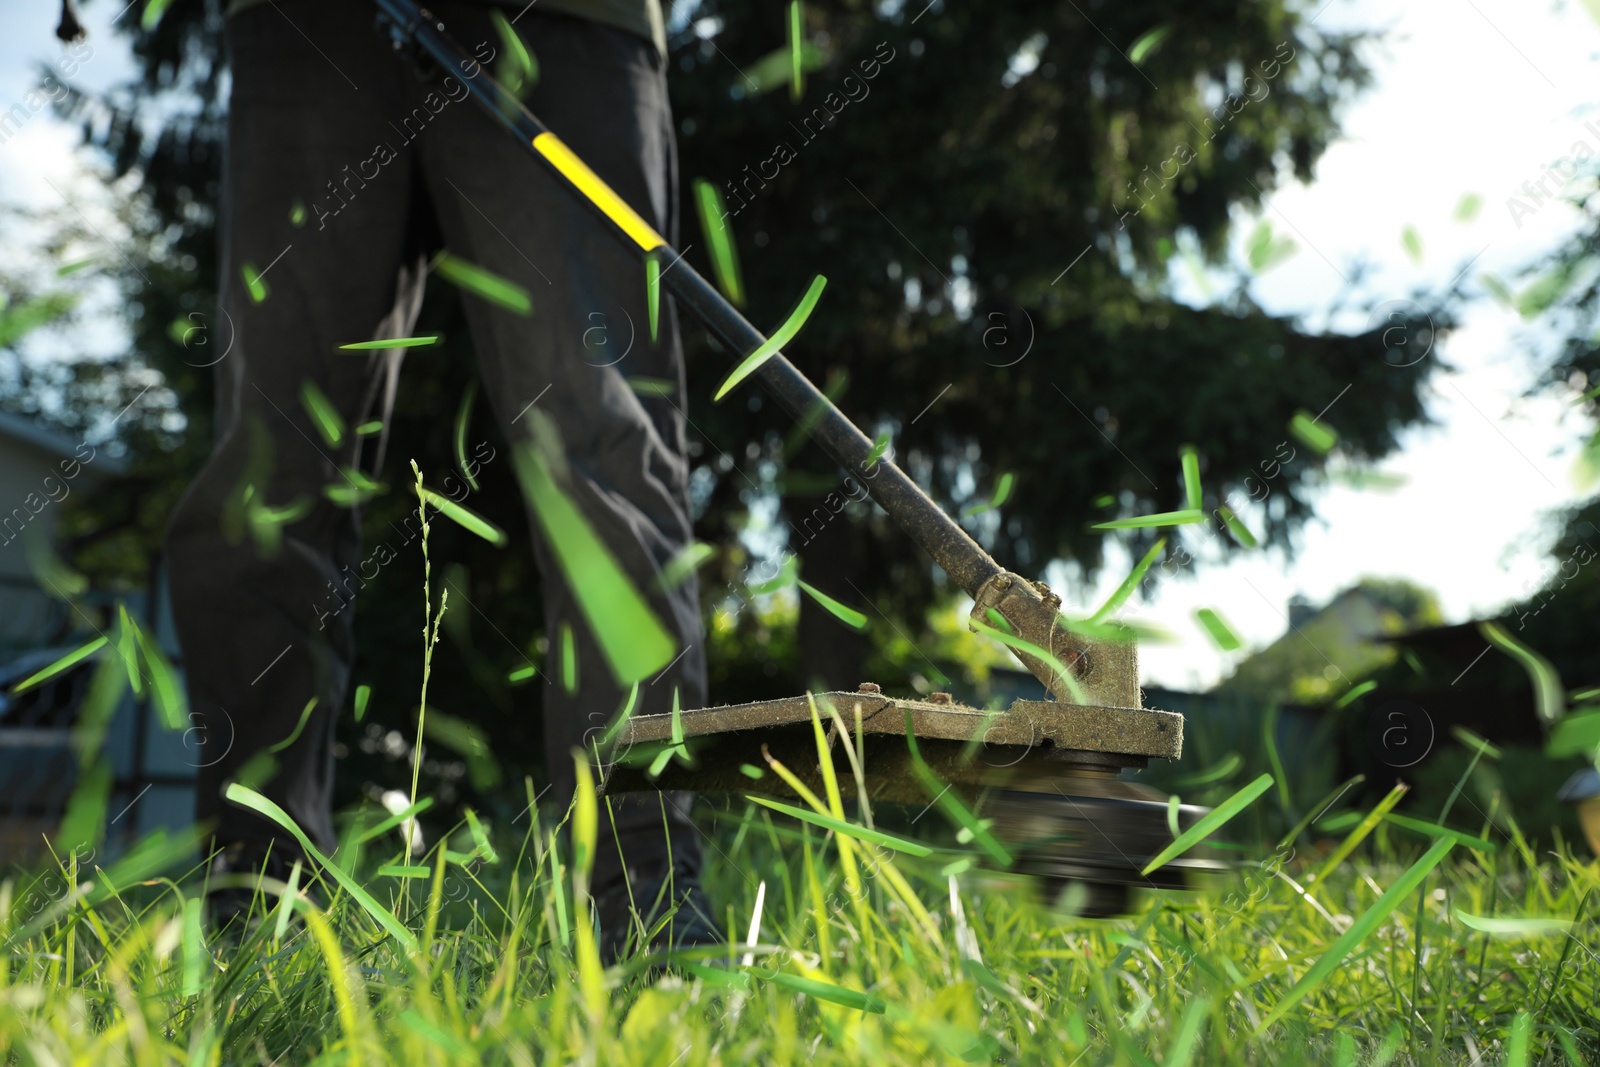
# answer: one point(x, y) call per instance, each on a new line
point(265, 628)
point(603, 92)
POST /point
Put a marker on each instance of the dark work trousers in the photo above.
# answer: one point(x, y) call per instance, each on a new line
point(323, 113)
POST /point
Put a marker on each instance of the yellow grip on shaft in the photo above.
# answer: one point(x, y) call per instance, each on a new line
point(599, 193)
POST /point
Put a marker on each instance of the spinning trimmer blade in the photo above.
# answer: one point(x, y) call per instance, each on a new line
point(1047, 773)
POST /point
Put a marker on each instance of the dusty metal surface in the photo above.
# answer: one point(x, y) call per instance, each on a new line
point(1029, 746)
point(1030, 723)
point(1106, 673)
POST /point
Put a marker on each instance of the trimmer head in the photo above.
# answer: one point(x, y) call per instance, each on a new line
point(1046, 772)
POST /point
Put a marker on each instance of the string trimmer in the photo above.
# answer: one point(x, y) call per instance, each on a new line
point(1046, 773)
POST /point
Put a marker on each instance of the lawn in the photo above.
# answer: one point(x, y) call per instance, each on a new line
point(1407, 947)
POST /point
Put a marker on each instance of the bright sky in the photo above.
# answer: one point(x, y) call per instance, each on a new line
point(39, 167)
point(1470, 96)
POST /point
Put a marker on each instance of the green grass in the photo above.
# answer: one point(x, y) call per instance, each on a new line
point(1362, 937)
point(500, 972)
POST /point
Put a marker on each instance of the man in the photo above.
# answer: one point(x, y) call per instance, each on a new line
point(344, 172)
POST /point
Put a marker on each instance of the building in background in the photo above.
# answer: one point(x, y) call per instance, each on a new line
point(152, 768)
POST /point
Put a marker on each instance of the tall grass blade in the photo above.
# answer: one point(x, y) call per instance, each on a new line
point(847, 615)
point(407, 813)
point(847, 852)
point(801, 790)
point(65, 663)
point(485, 848)
point(1320, 808)
point(259, 804)
point(1269, 739)
point(463, 517)
point(826, 991)
point(294, 735)
point(1528, 926)
point(382, 344)
point(1223, 768)
point(947, 801)
point(1193, 496)
point(340, 978)
point(1002, 493)
point(724, 253)
point(1369, 921)
point(653, 386)
point(797, 70)
point(1115, 601)
point(482, 283)
point(286, 905)
point(685, 563)
point(463, 417)
point(780, 337)
point(1210, 822)
point(1518, 1040)
point(1313, 434)
point(716, 976)
point(1240, 531)
point(1182, 1048)
point(1063, 675)
point(569, 659)
point(1355, 693)
point(128, 649)
point(1359, 834)
point(633, 641)
point(517, 70)
point(1474, 742)
point(652, 293)
point(404, 871)
point(880, 448)
point(470, 742)
point(585, 824)
point(788, 574)
point(1549, 698)
point(1219, 631)
point(1140, 49)
point(1435, 830)
point(326, 418)
point(1162, 518)
point(166, 692)
point(847, 828)
point(194, 948)
point(411, 1020)
point(1575, 734)
point(1388, 1047)
point(254, 283)
point(83, 822)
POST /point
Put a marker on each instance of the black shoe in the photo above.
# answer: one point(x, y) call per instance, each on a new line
point(234, 893)
point(666, 911)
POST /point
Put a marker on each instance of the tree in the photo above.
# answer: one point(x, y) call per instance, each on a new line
point(996, 195)
point(1006, 181)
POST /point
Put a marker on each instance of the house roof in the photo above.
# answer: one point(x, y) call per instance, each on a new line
point(56, 445)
